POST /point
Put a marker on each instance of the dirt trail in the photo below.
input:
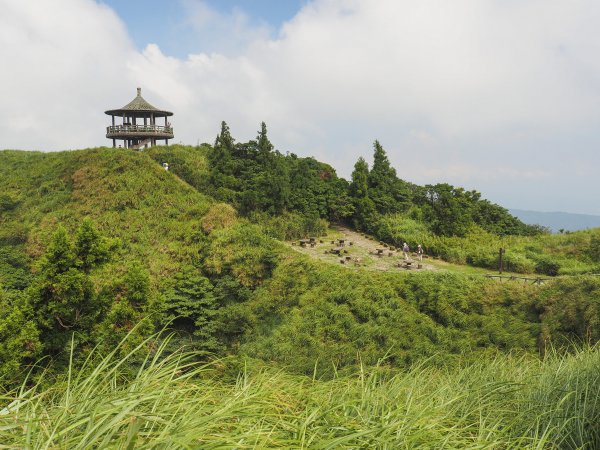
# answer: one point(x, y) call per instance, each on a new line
point(361, 254)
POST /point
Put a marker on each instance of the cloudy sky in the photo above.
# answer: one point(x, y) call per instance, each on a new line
point(502, 96)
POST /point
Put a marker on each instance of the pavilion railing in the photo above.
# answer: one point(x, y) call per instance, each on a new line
point(114, 129)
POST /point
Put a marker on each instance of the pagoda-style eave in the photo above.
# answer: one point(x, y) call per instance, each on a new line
point(137, 113)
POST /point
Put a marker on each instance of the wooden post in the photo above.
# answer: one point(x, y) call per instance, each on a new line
point(500, 259)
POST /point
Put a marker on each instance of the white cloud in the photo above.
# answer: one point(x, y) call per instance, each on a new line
point(225, 33)
point(61, 61)
point(500, 96)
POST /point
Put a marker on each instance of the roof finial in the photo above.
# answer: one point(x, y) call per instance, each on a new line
point(139, 91)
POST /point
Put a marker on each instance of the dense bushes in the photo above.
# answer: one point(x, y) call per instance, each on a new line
point(570, 310)
point(546, 254)
point(323, 313)
point(19, 335)
point(547, 266)
point(254, 177)
point(290, 225)
point(594, 247)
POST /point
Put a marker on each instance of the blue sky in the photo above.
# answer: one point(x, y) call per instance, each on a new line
point(166, 23)
point(498, 96)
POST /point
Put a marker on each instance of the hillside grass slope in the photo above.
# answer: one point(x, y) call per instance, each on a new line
point(231, 288)
point(154, 213)
point(270, 347)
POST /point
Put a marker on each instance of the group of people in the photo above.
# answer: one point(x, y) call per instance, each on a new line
point(406, 251)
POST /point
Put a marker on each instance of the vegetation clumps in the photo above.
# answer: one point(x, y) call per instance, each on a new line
point(174, 402)
point(102, 251)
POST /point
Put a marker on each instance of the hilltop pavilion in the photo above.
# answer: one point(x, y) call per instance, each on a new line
point(138, 126)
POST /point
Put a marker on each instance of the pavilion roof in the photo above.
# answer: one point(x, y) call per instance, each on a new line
point(140, 106)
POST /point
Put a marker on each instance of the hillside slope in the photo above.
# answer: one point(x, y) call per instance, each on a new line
point(229, 287)
point(126, 194)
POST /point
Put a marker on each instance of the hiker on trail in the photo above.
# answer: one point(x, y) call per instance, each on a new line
point(405, 250)
point(420, 252)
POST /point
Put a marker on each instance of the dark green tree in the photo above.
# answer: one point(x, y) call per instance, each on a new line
point(389, 194)
point(262, 140)
point(382, 174)
point(19, 335)
point(129, 311)
point(340, 204)
point(221, 172)
point(273, 177)
point(63, 295)
point(191, 307)
point(364, 208)
point(92, 249)
point(448, 211)
point(359, 187)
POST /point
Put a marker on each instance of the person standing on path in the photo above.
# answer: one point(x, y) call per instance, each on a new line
point(405, 250)
point(420, 252)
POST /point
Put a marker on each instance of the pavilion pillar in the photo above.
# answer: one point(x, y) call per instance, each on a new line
point(114, 143)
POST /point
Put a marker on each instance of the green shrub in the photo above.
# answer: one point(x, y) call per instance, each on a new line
point(8, 202)
point(570, 310)
point(19, 336)
point(242, 251)
point(594, 247)
point(220, 215)
point(519, 263)
point(290, 225)
point(547, 266)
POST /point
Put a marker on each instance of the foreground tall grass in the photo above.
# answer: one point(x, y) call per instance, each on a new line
point(172, 402)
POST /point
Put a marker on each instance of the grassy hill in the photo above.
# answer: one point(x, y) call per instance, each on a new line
point(155, 215)
point(266, 300)
point(228, 286)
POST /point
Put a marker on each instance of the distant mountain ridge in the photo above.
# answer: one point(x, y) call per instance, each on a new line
point(556, 221)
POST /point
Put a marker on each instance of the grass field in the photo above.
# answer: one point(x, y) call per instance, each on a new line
point(507, 402)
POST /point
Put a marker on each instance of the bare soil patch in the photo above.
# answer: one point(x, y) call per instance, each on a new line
point(359, 251)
